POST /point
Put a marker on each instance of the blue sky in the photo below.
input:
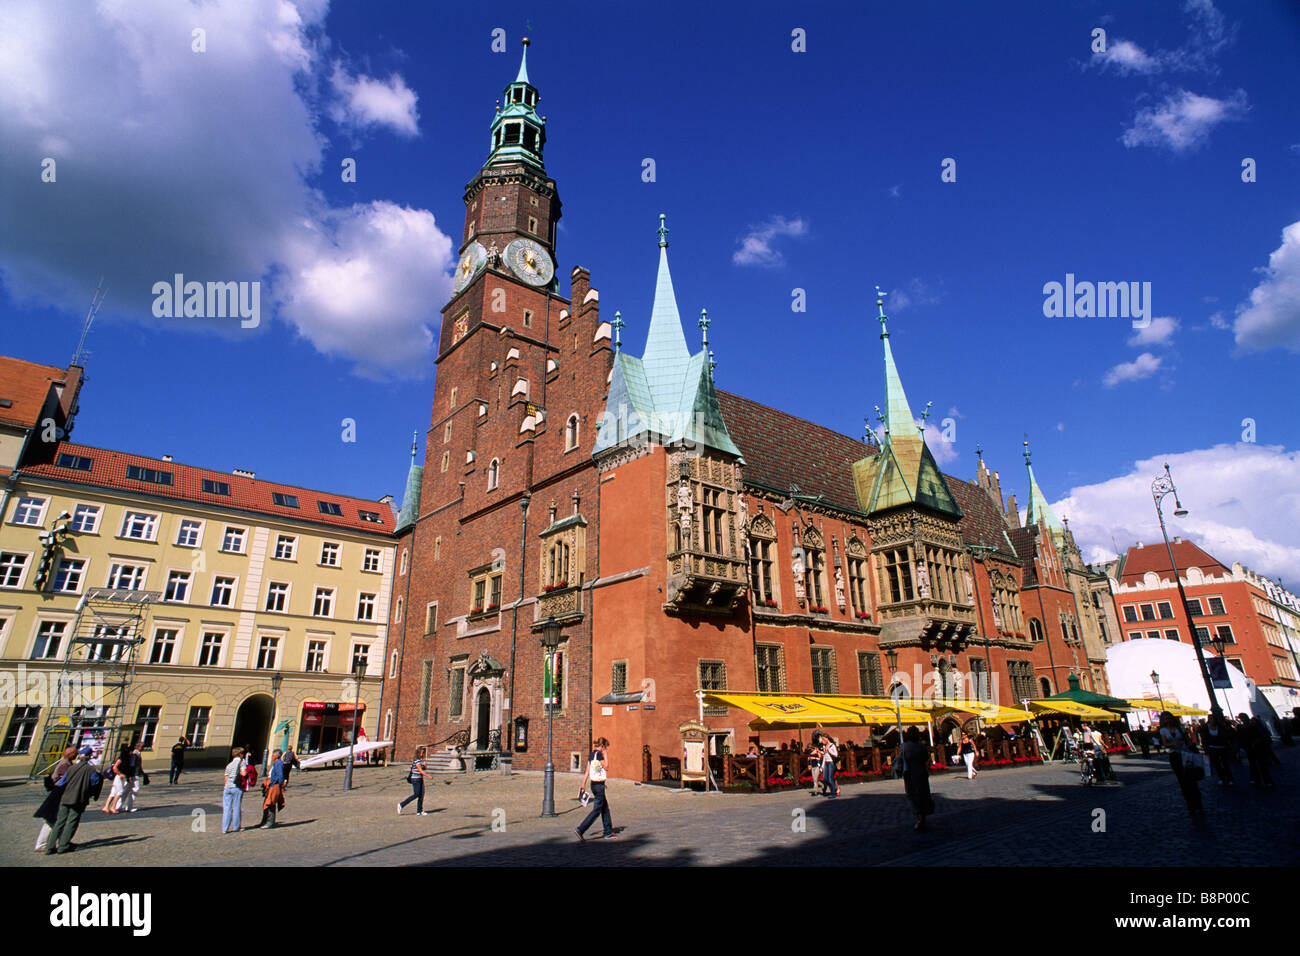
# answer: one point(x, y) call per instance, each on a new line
point(778, 170)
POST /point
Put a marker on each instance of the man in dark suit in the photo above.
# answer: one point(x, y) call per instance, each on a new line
point(76, 794)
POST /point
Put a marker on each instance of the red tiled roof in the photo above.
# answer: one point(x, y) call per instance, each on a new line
point(25, 385)
point(981, 522)
point(1022, 539)
point(108, 470)
point(1154, 557)
point(781, 449)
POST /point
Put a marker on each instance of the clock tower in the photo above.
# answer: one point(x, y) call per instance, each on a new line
point(511, 210)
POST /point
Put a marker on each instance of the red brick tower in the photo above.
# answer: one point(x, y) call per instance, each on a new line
point(500, 540)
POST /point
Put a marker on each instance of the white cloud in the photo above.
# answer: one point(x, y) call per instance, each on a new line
point(1127, 57)
point(1243, 505)
point(1144, 366)
point(1272, 319)
point(944, 451)
point(1184, 120)
point(916, 292)
point(756, 247)
point(200, 163)
point(363, 101)
point(1219, 322)
point(1160, 331)
point(1060, 426)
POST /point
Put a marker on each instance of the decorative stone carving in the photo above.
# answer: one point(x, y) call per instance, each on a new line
point(839, 588)
point(922, 581)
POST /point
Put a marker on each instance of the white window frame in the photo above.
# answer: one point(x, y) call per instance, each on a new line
point(292, 541)
point(36, 634)
point(575, 421)
point(113, 580)
point(198, 533)
point(96, 510)
point(494, 474)
point(397, 610)
point(152, 526)
point(330, 594)
point(242, 539)
point(287, 594)
point(189, 584)
point(352, 655)
point(378, 555)
point(234, 589)
point(402, 571)
point(325, 654)
point(22, 567)
point(392, 664)
point(176, 643)
point(221, 650)
point(275, 652)
point(83, 572)
point(338, 554)
point(21, 505)
point(361, 601)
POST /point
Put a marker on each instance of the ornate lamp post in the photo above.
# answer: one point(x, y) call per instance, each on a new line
point(550, 641)
point(1164, 485)
point(896, 692)
point(1155, 679)
point(352, 741)
point(276, 680)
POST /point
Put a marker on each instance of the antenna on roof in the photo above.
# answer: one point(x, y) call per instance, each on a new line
point(79, 357)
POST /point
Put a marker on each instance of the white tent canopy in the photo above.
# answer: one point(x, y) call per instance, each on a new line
point(1129, 666)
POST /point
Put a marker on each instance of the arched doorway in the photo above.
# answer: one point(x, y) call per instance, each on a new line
point(253, 726)
point(483, 718)
point(1045, 686)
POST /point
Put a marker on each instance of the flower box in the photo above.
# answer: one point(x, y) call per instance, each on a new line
point(819, 610)
point(772, 604)
point(555, 587)
point(862, 616)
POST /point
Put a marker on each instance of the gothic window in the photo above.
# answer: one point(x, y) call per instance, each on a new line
point(760, 573)
point(571, 433)
point(769, 666)
point(713, 506)
point(897, 575)
point(557, 566)
point(814, 575)
point(494, 474)
point(1035, 630)
point(858, 584)
point(870, 679)
point(825, 680)
point(455, 689)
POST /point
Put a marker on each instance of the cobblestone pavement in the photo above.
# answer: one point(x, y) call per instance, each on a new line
point(1031, 816)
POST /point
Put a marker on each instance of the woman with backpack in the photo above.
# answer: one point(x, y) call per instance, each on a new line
point(415, 777)
point(597, 771)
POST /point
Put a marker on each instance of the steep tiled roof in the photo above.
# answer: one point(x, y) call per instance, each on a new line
point(781, 449)
point(1022, 539)
point(25, 386)
point(981, 522)
point(1154, 557)
point(108, 470)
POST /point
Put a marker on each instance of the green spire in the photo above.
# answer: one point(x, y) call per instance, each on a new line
point(667, 394)
point(411, 499)
point(1038, 506)
point(903, 471)
point(518, 132)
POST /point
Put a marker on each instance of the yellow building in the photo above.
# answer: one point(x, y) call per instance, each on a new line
point(251, 580)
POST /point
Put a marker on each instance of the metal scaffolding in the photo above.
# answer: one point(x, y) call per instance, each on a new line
point(88, 704)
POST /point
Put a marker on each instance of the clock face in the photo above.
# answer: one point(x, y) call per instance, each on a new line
point(528, 260)
point(471, 262)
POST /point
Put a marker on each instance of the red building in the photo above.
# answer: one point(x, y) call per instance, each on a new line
point(683, 537)
point(1226, 604)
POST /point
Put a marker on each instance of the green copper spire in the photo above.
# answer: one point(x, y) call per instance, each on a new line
point(411, 499)
point(518, 132)
point(904, 471)
point(667, 395)
point(1038, 506)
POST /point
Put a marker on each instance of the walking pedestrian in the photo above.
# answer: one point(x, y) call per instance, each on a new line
point(232, 795)
point(274, 788)
point(48, 811)
point(597, 771)
point(815, 768)
point(1255, 740)
point(1183, 761)
point(1217, 739)
point(830, 753)
point(178, 759)
point(915, 758)
point(416, 778)
point(135, 775)
point(968, 755)
point(76, 794)
point(118, 772)
point(291, 762)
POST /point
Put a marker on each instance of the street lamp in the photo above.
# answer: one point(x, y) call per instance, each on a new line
point(550, 641)
point(352, 741)
point(276, 680)
point(896, 692)
point(1155, 679)
point(1220, 645)
point(1164, 485)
